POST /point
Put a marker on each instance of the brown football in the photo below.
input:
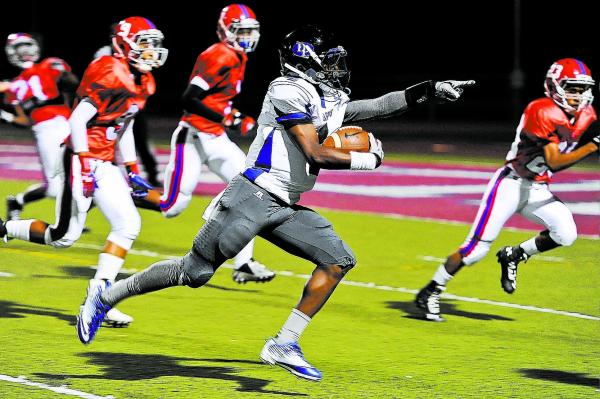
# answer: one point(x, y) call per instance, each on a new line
point(348, 138)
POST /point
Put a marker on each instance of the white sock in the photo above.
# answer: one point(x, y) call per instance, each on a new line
point(245, 255)
point(529, 247)
point(108, 266)
point(441, 276)
point(19, 228)
point(293, 327)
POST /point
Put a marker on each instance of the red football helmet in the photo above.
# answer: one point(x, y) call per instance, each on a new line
point(22, 50)
point(138, 40)
point(238, 28)
point(569, 83)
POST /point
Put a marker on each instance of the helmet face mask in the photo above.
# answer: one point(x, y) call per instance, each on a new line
point(22, 50)
point(238, 28)
point(138, 40)
point(313, 54)
point(569, 83)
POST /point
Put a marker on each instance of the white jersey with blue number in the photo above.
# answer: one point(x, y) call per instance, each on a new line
point(275, 161)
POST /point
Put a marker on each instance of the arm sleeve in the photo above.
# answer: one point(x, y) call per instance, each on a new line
point(81, 115)
point(192, 102)
point(391, 104)
point(127, 144)
point(291, 103)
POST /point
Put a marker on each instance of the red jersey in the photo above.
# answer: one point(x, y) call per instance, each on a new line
point(219, 69)
point(544, 122)
point(39, 85)
point(109, 84)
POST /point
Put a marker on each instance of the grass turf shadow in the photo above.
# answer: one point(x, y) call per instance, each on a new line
point(412, 312)
point(565, 377)
point(135, 367)
point(13, 310)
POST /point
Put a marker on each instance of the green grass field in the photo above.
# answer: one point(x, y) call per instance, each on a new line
point(204, 343)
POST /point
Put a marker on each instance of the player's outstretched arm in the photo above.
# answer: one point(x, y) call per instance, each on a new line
point(329, 158)
point(558, 161)
point(19, 118)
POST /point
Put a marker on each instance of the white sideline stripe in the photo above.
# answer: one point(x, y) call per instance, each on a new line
point(61, 389)
point(152, 254)
point(5, 274)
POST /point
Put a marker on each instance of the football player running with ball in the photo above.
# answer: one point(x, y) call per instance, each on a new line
point(201, 137)
point(545, 142)
point(113, 89)
point(300, 109)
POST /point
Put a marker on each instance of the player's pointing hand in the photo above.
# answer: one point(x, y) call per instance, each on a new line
point(451, 90)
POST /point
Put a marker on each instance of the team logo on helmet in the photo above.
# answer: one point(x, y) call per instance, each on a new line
point(303, 50)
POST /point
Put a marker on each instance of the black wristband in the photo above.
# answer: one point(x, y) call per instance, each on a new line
point(420, 93)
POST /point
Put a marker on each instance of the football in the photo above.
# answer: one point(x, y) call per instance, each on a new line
point(348, 138)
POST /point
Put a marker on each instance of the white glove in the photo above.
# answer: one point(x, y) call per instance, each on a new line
point(6, 116)
point(376, 148)
point(451, 90)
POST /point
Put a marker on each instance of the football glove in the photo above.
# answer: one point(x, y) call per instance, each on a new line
point(451, 90)
point(88, 180)
point(139, 186)
point(235, 120)
point(376, 148)
point(6, 116)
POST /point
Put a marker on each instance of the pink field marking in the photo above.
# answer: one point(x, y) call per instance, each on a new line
point(460, 207)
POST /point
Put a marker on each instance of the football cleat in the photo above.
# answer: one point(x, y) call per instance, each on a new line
point(92, 312)
point(252, 271)
point(13, 208)
point(509, 258)
point(116, 318)
point(290, 357)
point(428, 299)
point(3, 232)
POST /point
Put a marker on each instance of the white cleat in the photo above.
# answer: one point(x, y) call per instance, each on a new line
point(92, 312)
point(252, 271)
point(290, 357)
point(116, 318)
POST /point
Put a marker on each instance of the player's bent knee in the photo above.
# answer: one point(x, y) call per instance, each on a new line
point(479, 252)
point(53, 189)
point(197, 270)
point(171, 210)
point(565, 237)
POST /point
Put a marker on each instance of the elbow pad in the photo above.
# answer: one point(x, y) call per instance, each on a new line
point(420, 93)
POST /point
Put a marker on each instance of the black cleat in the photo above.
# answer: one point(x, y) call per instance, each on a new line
point(428, 299)
point(509, 258)
point(13, 208)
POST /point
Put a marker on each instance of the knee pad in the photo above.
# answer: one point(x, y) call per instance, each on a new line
point(565, 236)
point(197, 270)
point(178, 205)
point(125, 234)
point(473, 252)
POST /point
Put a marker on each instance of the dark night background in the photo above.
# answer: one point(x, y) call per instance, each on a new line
point(389, 50)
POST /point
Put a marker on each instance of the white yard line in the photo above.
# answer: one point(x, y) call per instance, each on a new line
point(371, 285)
point(5, 274)
point(61, 389)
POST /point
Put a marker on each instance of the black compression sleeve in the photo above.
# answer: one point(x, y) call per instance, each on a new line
point(192, 103)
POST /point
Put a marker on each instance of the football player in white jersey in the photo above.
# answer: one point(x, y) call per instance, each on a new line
point(300, 109)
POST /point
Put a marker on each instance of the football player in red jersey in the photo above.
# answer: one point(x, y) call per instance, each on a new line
point(113, 89)
point(546, 141)
point(41, 96)
point(201, 136)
